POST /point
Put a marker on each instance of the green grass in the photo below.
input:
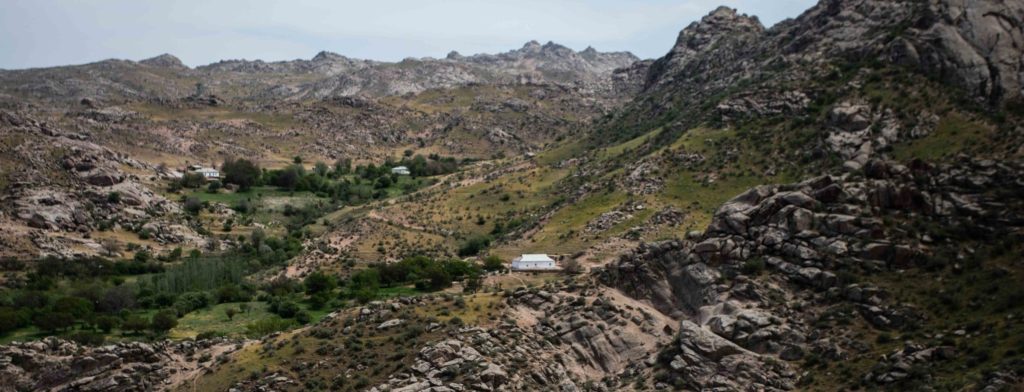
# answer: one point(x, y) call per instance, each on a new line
point(214, 319)
point(954, 134)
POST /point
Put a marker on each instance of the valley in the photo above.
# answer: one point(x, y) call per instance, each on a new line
point(830, 203)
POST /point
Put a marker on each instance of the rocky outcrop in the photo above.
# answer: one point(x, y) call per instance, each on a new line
point(54, 364)
point(802, 233)
point(975, 45)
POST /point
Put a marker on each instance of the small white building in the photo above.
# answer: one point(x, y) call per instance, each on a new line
point(208, 173)
point(534, 262)
point(400, 170)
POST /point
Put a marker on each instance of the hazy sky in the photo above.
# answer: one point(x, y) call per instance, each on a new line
point(38, 33)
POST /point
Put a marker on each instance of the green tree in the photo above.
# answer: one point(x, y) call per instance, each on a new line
point(319, 282)
point(135, 323)
point(493, 263)
point(230, 312)
point(241, 172)
point(53, 321)
point(191, 180)
point(107, 323)
point(164, 321)
point(303, 317)
point(78, 308)
point(193, 205)
point(320, 169)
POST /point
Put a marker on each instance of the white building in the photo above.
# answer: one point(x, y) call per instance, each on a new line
point(400, 170)
point(534, 262)
point(208, 173)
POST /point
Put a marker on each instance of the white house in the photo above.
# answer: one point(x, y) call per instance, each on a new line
point(208, 173)
point(400, 170)
point(534, 262)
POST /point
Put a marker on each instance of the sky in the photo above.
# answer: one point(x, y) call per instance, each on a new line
point(42, 33)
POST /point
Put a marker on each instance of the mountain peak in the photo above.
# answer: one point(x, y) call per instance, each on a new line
point(165, 60)
point(325, 55)
point(532, 45)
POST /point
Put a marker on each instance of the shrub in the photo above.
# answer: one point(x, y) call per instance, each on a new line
point(319, 282)
point(474, 245)
point(135, 323)
point(193, 205)
point(753, 266)
point(303, 317)
point(268, 326)
point(493, 263)
point(164, 321)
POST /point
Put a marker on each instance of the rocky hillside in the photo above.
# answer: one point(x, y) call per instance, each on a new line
point(831, 203)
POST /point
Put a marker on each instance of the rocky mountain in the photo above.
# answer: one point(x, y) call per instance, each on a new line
point(830, 203)
point(325, 75)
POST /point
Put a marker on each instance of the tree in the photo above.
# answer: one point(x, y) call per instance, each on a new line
point(231, 312)
point(493, 263)
point(193, 205)
point(474, 245)
point(473, 283)
point(213, 186)
point(437, 277)
point(53, 321)
point(241, 172)
point(110, 247)
point(572, 266)
point(76, 307)
point(319, 282)
point(320, 169)
point(289, 177)
point(286, 309)
point(11, 319)
point(107, 323)
point(192, 180)
point(303, 317)
point(116, 299)
point(342, 166)
point(135, 323)
point(164, 321)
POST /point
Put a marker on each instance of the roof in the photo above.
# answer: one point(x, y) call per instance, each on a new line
point(535, 257)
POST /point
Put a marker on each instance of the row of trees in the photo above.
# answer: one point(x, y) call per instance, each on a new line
point(246, 174)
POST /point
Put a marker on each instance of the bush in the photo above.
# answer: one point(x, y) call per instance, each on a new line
point(753, 267)
point(286, 309)
point(53, 321)
point(493, 263)
point(107, 323)
point(114, 197)
point(474, 245)
point(268, 326)
point(319, 282)
point(303, 317)
point(193, 205)
point(164, 321)
point(190, 301)
point(191, 180)
point(213, 186)
point(135, 323)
